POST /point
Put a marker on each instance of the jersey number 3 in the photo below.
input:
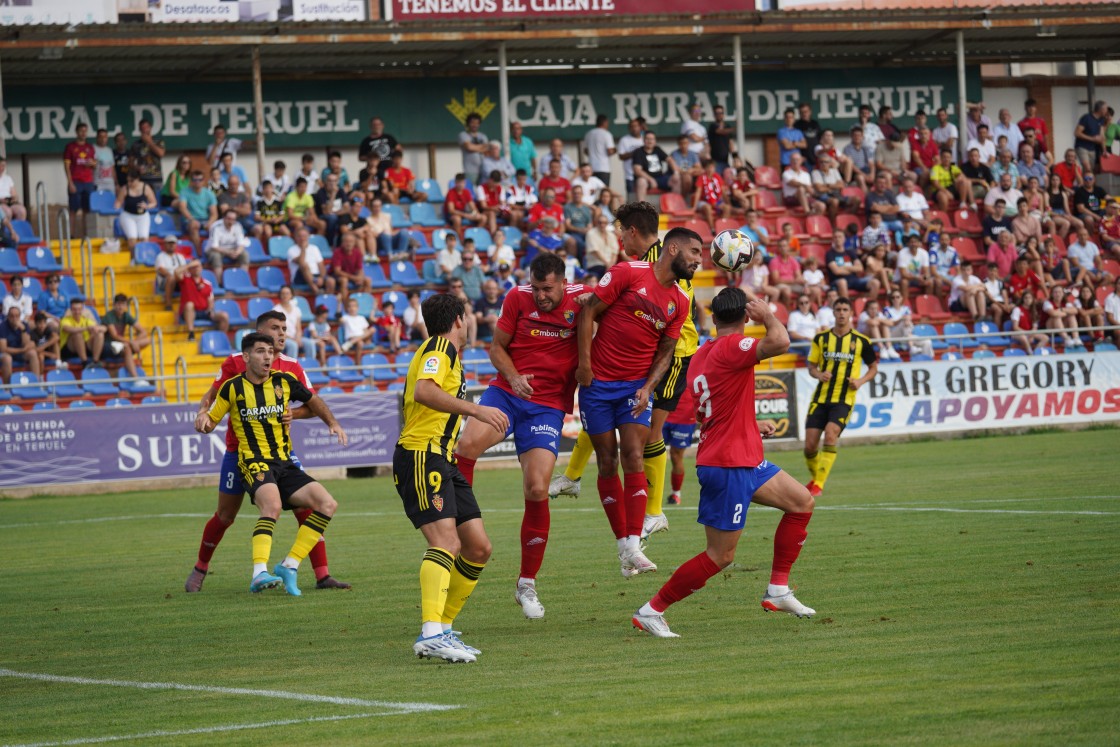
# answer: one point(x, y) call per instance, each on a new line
point(703, 395)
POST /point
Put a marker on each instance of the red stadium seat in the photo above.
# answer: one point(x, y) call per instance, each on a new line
point(1112, 267)
point(855, 192)
point(673, 204)
point(946, 222)
point(843, 220)
point(858, 306)
point(968, 250)
point(701, 227)
point(797, 223)
point(820, 251)
point(1103, 292)
point(819, 227)
point(767, 177)
point(781, 313)
point(931, 308)
point(767, 203)
point(1059, 244)
point(727, 224)
point(1110, 164)
point(968, 221)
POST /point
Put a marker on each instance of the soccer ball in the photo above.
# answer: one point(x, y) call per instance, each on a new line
point(732, 250)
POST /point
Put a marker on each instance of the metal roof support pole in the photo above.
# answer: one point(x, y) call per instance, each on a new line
point(3, 142)
point(740, 104)
point(962, 101)
point(1090, 80)
point(258, 114)
point(503, 97)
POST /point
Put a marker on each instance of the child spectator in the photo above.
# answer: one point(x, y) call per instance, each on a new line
point(572, 269)
point(912, 270)
point(489, 308)
point(18, 299)
point(413, 319)
point(319, 330)
point(391, 325)
point(876, 326)
point(1059, 314)
point(812, 278)
point(1090, 313)
point(999, 302)
point(356, 330)
point(756, 280)
point(196, 301)
point(708, 197)
point(1024, 320)
point(967, 293)
point(45, 337)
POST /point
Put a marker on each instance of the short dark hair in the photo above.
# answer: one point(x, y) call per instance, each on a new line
point(334, 154)
point(307, 158)
point(300, 181)
point(249, 341)
point(545, 264)
point(729, 305)
point(681, 234)
point(473, 115)
point(639, 215)
point(842, 301)
point(601, 120)
point(279, 165)
point(440, 312)
point(269, 315)
point(120, 298)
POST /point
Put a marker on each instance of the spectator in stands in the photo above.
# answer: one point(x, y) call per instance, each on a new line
point(828, 186)
point(18, 299)
point(493, 160)
point(171, 268)
point(1025, 225)
point(1031, 121)
point(396, 244)
point(602, 246)
point(979, 177)
point(975, 118)
point(505, 277)
point(334, 166)
point(469, 273)
point(909, 228)
point(802, 326)
point(984, 145)
point(743, 190)
point(546, 207)
point(399, 182)
point(1088, 201)
point(882, 200)
point(81, 335)
point(122, 160)
point(305, 265)
point(309, 173)
point(53, 301)
point(998, 300)
point(227, 169)
point(371, 183)
point(1110, 227)
point(1051, 265)
point(862, 157)
point(555, 181)
point(874, 324)
point(785, 272)
point(227, 243)
point(946, 181)
point(892, 157)
point(872, 134)
point(488, 308)
point(10, 205)
point(810, 130)
point(16, 346)
point(1069, 170)
point(353, 223)
point(900, 320)
point(924, 155)
point(825, 318)
point(1024, 279)
point(590, 183)
point(269, 215)
point(577, 222)
point(1088, 137)
point(812, 277)
point(945, 134)
point(1090, 313)
point(944, 260)
point(790, 139)
point(460, 206)
point(378, 144)
point(708, 198)
point(450, 256)
point(556, 153)
point(1058, 199)
point(222, 146)
point(281, 182)
point(216, 185)
point(522, 197)
point(797, 187)
point(522, 152)
point(45, 337)
point(293, 322)
point(390, 325)
point(913, 203)
point(847, 270)
point(720, 145)
point(104, 175)
point(177, 182)
point(196, 302)
point(1030, 167)
point(1111, 130)
point(1060, 315)
point(755, 231)
point(347, 264)
point(356, 330)
point(1005, 165)
point(414, 328)
point(299, 206)
point(1112, 311)
point(653, 169)
point(1085, 260)
point(498, 251)
point(472, 143)
point(688, 164)
point(755, 280)
point(330, 204)
point(542, 239)
point(1040, 153)
point(606, 204)
point(455, 288)
point(875, 264)
point(125, 336)
point(696, 133)
point(146, 156)
point(967, 293)
point(628, 145)
point(1003, 252)
point(912, 269)
point(319, 330)
point(198, 207)
point(1006, 192)
point(79, 162)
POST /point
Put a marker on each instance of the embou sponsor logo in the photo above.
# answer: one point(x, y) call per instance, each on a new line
point(655, 322)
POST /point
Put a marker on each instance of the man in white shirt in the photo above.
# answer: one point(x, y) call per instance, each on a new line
point(912, 269)
point(984, 144)
point(913, 203)
point(171, 267)
point(598, 145)
point(1006, 191)
point(968, 293)
point(946, 133)
point(305, 264)
point(802, 326)
point(227, 242)
point(589, 182)
point(449, 257)
point(1009, 129)
point(556, 153)
point(872, 133)
point(797, 187)
point(696, 132)
point(18, 299)
point(628, 145)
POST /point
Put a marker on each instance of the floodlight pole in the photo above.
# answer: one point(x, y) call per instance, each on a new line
point(503, 97)
point(3, 141)
point(258, 113)
point(962, 101)
point(740, 104)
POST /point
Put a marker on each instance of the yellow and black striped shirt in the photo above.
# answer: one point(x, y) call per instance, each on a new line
point(843, 356)
point(255, 411)
point(426, 429)
point(690, 338)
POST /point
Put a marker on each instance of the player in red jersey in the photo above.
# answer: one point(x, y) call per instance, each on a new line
point(731, 466)
point(640, 310)
point(231, 493)
point(677, 432)
point(534, 350)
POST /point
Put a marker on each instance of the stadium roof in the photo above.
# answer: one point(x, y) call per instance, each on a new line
point(872, 33)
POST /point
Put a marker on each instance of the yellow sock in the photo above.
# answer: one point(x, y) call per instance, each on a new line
point(309, 533)
point(581, 455)
point(262, 540)
point(813, 462)
point(435, 578)
point(656, 462)
point(464, 577)
point(826, 459)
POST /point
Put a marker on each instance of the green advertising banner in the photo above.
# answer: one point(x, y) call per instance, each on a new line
point(431, 110)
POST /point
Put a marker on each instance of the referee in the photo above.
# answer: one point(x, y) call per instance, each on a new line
point(835, 361)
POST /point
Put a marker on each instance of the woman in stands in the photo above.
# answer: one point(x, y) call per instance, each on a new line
point(1060, 213)
point(1024, 323)
point(134, 200)
point(1090, 313)
point(1059, 314)
point(177, 181)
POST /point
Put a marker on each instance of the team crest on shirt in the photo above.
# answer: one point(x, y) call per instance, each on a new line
point(431, 365)
point(746, 344)
point(672, 308)
point(260, 477)
point(437, 502)
point(569, 316)
point(605, 280)
point(279, 392)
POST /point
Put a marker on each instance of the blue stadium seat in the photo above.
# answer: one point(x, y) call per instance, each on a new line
point(214, 343)
point(431, 273)
point(278, 247)
point(1104, 347)
point(9, 409)
point(25, 233)
point(271, 279)
point(44, 406)
point(469, 185)
point(376, 275)
point(430, 187)
point(952, 355)
point(479, 362)
point(256, 251)
point(920, 358)
point(98, 382)
point(41, 259)
point(363, 389)
point(66, 285)
point(314, 374)
point(1045, 351)
point(219, 290)
point(65, 383)
point(513, 235)
point(928, 330)
point(481, 236)
point(991, 334)
point(984, 354)
point(404, 273)
point(330, 301)
point(421, 241)
point(258, 306)
point(323, 244)
point(1013, 353)
point(304, 309)
point(161, 225)
point(102, 202)
point(956, 328)
point(332, 390)
point(403, 361)
point(135, 387)
point(145, 253)
point(336, 367)
point(397, 218)
point(439, 238)
point(79, 404)
point(396, 386)
point(424, 214)
point(118, 402)
point(238, 281)
point(399, 300)
point(10, 262)
point(238, 336)
point(153, 399)
point(365, 303)
point(378, 367)
point(237, 317)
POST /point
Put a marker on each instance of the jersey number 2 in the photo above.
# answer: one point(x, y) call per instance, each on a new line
point(703, 395)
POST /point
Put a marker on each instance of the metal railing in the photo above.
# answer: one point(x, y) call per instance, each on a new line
point(41, 218)
point(109, 289)
point(85, 251)
point(157, 350)
point(64, 238)
point(181, 388)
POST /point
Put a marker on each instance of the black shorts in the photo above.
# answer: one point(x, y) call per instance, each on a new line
point(671, 387)
point(432, 488)
point(821, 415)
point(287, 476)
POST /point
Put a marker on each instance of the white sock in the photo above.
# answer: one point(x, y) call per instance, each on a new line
point(775, 590)
point(259, 568)
point(290, 562)
point(526, 581)
point(647, 609)
point(445, 627)
point(427, 630)
point(633, 543)
point(622, 548)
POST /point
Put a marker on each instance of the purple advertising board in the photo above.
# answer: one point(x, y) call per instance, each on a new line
point(55, 447)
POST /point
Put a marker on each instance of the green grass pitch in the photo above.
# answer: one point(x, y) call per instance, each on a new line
point(966, 593)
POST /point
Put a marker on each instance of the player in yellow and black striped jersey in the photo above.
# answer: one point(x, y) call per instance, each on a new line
point(256, 402)
point(437, 498)
point(836, 360)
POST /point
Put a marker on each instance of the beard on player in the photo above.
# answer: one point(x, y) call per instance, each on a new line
point(682, 269)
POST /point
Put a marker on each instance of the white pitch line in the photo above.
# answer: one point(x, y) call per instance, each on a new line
point(280, 694)
point(201, 730)
point(941, 509)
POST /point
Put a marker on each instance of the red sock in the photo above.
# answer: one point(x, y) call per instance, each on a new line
point(534, 537)
point(212, 534)
point(466, 466)
point(687, 579)
point(610, 495)
point(318, 554)
point(677, 479)
point(788, 540)
point(635, 489)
